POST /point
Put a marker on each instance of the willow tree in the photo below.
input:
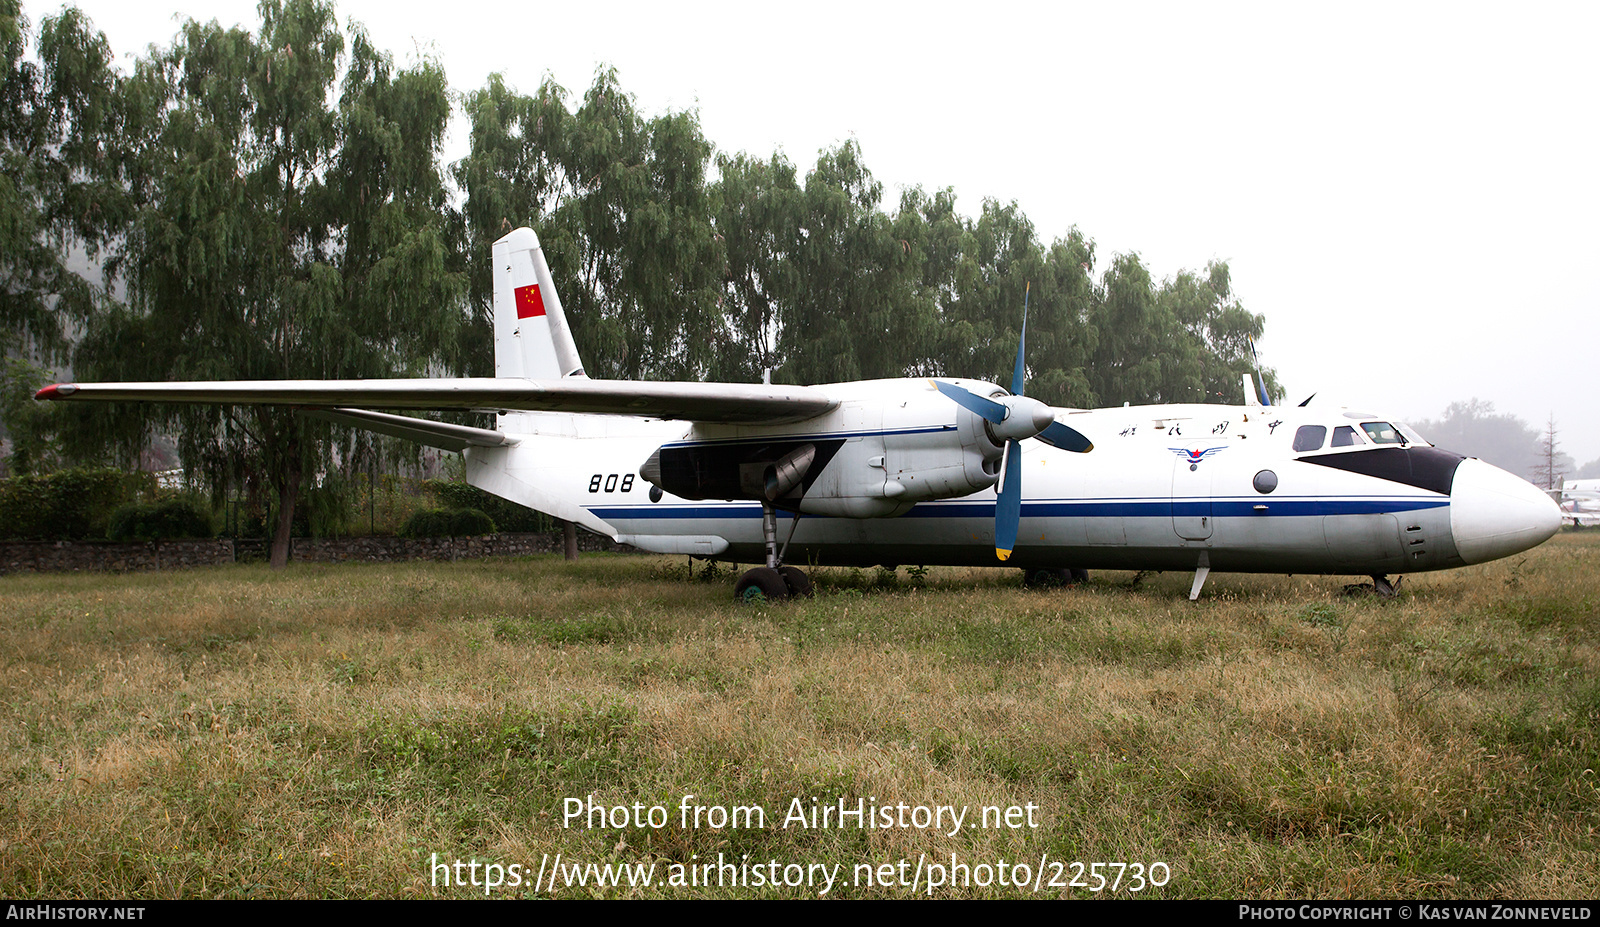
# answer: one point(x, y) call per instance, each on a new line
point(292, 223)
point(1218, 330)
point(622, 209)
point(855, 310)
point(759, 211)
point(59, 189)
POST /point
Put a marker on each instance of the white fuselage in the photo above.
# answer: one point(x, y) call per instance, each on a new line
point(909, 480)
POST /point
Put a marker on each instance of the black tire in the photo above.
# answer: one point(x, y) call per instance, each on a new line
point(1049, 578)
point(1044, 578)
point(798, 582)
point(762, 584)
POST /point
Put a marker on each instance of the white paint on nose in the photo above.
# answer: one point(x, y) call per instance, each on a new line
point(1495, 514)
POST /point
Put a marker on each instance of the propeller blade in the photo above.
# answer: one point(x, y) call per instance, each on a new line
point(1013, 418)
point(991, 411)
point(1067, 439)
point(1022, 344)
point(1261, 381)
point(1008, 502)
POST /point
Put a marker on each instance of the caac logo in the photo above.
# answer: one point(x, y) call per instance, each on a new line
point(1194, 456)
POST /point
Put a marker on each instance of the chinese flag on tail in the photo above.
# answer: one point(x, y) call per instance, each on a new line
point(528, 302)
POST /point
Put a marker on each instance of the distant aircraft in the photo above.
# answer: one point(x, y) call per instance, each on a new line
point(922, 471)
point(1580, 503)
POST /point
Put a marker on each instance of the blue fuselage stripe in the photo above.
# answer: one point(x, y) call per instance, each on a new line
point(1092, 508)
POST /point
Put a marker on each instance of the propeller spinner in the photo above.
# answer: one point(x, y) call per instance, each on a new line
point(1012, 418)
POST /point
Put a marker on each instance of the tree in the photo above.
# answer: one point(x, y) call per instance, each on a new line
point(759, 210)
point(53, 116)
point(1216, 332)
point(1476, 429)
point(279, 236)
point(1553, 465)
point(512, 176)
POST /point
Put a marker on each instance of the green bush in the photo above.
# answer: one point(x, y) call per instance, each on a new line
point(438, 523)
point(68, 505)
point(433, 523)
point(507, 515)
point(161, 521)
point(466, 523)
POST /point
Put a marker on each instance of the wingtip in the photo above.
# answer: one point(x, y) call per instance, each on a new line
point(56, 391)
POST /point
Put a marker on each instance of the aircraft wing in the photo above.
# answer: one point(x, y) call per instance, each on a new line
point(722, 403)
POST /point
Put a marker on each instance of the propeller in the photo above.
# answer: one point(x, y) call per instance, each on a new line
point(1012, 418)
point(1261, 381)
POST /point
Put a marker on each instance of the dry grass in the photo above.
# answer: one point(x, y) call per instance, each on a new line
point(323, 732)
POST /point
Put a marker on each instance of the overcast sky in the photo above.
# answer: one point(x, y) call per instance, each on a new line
point(1407, 192)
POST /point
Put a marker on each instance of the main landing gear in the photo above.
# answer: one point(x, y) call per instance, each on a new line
point(773, 581)
point(1046, 578)
point(1381, 587)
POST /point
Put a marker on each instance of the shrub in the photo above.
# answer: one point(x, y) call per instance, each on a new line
point(433, 523)
point(470, 523)
point(507, 515)
point(72, 504)
point(161, 521)
point(438, 523)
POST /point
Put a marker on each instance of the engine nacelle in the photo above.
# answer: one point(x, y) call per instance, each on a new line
point(892, 444)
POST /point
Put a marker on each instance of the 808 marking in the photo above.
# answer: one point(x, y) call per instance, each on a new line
point(609, 481)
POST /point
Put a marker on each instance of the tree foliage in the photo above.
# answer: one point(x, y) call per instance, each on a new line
point(54, 114)
point(1474, 428)
point(275, 204)
point(290, 224)
point(622, 210)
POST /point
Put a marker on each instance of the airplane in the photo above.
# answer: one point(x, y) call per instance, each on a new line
point(927, 471)
point(1580, 503)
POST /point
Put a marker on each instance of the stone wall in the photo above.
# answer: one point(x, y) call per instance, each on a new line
point(331, 550)
point(68, 556)
point(73, 556)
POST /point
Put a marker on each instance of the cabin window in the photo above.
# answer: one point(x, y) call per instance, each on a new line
point(1345, 436)
point(1382, 433)
point(1309, 437)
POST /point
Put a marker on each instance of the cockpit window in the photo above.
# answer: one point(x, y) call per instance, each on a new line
point(1382, 433)
point(1345, 436)
point(1412, 435)
point(1309, 437)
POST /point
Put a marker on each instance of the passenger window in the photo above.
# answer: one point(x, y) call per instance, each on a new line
point(1382, 433)
point(1345, 436)
point(1309, 437)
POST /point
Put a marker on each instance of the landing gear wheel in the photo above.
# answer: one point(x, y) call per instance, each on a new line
point(762, 584)
point(798, 582)
point(1047, 578)
point(1384, 588)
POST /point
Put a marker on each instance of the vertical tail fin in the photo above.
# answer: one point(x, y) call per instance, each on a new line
point(531, 337)
point(1251, 397)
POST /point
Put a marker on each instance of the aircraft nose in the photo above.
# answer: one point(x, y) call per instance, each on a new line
point(1495, 514)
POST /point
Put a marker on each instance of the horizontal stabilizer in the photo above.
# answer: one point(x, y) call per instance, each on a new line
point(720, 403)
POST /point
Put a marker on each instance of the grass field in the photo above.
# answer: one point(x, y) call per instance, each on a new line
point(353, 731)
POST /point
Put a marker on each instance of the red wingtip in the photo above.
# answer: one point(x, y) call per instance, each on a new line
point(56, 391)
